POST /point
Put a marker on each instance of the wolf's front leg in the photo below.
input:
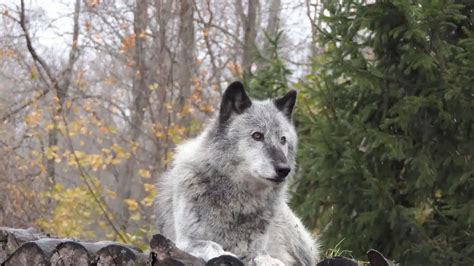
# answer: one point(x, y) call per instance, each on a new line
point(192, 233)
point(266, 260)
point(258, 254)
point(204, 249)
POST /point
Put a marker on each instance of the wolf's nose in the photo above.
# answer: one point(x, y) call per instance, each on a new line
point(282, 171)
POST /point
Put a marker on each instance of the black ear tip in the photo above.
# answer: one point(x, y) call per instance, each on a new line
point(292, 93)
point(236, 85)
point(234, 89)
point(287, 102)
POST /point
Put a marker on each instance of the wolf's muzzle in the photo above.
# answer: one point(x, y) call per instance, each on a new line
point(282, 171)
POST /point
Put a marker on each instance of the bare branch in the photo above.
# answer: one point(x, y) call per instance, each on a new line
point(31, 49)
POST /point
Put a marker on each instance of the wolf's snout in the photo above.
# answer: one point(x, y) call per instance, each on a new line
point(282, 171)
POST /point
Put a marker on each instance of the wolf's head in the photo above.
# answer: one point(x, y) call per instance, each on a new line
point(256, 139)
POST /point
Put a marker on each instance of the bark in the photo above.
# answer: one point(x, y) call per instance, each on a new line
point(61, 89)
point(273, 23)
point(128, 182)
point(164, 59)
point(164, 69)
point(187, 58)
point(250, 33)
point(216, 72)
point(31, 248)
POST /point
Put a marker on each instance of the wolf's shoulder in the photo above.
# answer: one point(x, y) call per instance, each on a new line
point(189, 151)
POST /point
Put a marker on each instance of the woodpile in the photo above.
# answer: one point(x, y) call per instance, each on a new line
point(29, 247)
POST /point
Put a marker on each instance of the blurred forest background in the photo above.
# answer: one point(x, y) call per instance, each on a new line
point(95, 94)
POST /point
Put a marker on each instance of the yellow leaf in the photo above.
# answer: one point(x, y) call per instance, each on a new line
point(136, 216)
point(148, 200)
point(153, 86)
point(186, 110)
point(207, 108)
point(148, 187)
point(132, 204)
point(160, 134)
point(33, 118)
point(144, 173)
point(168, 107)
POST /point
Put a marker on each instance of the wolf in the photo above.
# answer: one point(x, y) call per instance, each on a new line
point(226, 190)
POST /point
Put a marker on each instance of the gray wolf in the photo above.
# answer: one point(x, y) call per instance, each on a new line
point(226, 190)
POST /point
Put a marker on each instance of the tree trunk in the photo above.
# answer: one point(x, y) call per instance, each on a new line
point(128, 184)
point(273, 23)
point(250, 34)
point(187, 59)
point(61, 87)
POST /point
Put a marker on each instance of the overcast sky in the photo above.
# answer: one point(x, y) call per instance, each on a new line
point(54, 24)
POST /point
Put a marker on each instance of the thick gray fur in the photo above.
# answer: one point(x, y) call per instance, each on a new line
point(220, 196)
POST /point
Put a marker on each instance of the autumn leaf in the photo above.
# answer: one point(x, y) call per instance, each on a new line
point(235, 69)
point(149, 187)
point(160, 134)
point(88, 25)
point(168, 107)
point(150, 198)
point(142, 35)
point(153, 86)
point(207, 108)
point(33, 73)
point(135, 216)
point(132, 204)
point(93, 3)
point(33, 118)
point(128, 43)
point(187, 109)
point(144, 173)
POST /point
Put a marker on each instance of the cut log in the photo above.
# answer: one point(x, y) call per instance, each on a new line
point(34, 253)
point(72, 253)
point(28, 247)
point(377, 259)
point(337, 261)
point(113, 253)
point(52, 251)
point(11, 239)
point(165, 252)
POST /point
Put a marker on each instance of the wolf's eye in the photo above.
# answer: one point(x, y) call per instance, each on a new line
point(283, 140)
point(257, 136)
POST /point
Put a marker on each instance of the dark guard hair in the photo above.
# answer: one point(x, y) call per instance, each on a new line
point(286, 103)
point(234, 100)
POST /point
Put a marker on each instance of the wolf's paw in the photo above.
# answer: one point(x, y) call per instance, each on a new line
point(227, 260)
point(266, 260)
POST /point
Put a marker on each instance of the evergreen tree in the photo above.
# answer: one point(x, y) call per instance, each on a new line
point(270, 79)
point(386, 131)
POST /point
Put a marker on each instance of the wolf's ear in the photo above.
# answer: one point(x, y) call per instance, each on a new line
point(234, 100)
point(286, 103)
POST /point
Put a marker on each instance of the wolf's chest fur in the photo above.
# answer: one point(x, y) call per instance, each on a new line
point(230, 213)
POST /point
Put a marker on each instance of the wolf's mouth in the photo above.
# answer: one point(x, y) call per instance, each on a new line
point(276, 180)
